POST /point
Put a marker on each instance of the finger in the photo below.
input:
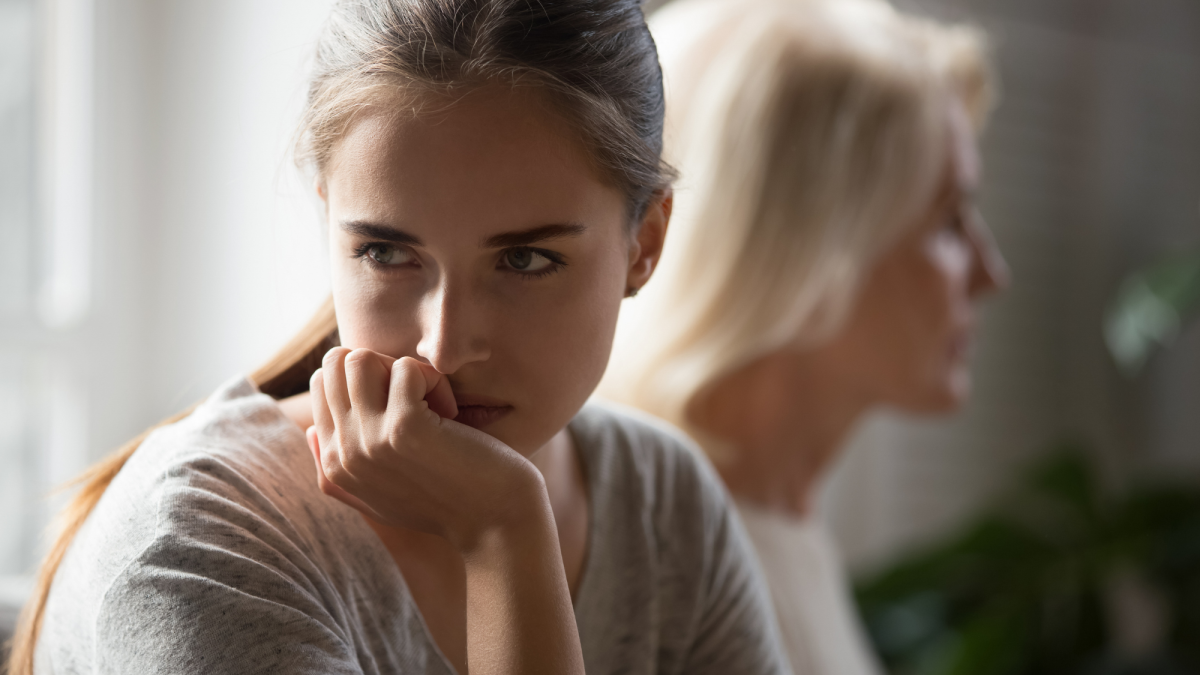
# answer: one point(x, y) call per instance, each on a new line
point(367, 381)
point(314, 446)
point(408, 387)
point(431, 375)
point(327, 486)
point(322, 416)
point(438, 394)
point(336, 395)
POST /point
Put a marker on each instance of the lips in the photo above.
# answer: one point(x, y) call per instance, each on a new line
point(479, 411)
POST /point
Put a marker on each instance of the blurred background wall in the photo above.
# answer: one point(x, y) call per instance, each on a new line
point(155, 240)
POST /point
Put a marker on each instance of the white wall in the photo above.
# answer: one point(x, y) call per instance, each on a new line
point(209, 246)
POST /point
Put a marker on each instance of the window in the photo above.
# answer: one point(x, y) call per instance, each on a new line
point(17, 228)
point(45, 254)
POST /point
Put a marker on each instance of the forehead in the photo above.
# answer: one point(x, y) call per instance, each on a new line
point(495, 159)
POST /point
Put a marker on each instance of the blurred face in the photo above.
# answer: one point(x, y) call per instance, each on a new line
point(481, 240)
point(908, 339)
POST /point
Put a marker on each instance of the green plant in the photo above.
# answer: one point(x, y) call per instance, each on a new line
point(1048, 583)
point(1150, 307)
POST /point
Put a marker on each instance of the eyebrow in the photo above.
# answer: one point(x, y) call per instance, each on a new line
point(532, 236)
point(371, 230)
point(381, 232)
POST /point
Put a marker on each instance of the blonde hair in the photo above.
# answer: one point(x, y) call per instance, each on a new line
point(808, 135)
point(597, 63)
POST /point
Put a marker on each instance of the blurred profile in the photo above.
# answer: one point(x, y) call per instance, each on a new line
point(825, 259)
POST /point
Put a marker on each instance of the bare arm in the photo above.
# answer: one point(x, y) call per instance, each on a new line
point(519, 613)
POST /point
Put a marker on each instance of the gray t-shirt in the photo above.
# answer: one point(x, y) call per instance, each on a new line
point(213, 551)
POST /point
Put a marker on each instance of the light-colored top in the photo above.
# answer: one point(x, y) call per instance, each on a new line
point(818, 622)
point(213, 551)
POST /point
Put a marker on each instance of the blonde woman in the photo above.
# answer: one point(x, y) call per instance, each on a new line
point(414, 484)
point(824, 260)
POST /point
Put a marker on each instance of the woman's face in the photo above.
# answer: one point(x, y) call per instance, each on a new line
point(481, 240)
point(909, 336)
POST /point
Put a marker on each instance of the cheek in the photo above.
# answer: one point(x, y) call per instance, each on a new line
point(370, 313)
point(939, 307)
point(565, 336)
point(928, 289)
point(552, 353)
point(949, 264)
point(901, 329)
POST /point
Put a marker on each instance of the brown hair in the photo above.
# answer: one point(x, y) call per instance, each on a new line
point(594, 58)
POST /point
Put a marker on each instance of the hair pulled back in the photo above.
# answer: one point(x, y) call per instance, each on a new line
point(594, 59)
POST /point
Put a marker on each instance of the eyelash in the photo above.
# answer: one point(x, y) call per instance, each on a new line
point(360, 253)
point(558, 262)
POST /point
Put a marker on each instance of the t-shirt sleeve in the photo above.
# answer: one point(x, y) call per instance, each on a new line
point(735, 630)
point(223, 587)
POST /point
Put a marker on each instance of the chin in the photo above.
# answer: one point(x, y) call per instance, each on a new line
point(521, 435)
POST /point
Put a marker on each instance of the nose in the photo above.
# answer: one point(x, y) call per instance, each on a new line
point(989, 271)
point(451, 336)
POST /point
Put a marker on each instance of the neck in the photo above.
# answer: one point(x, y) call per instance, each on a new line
point(784, 419)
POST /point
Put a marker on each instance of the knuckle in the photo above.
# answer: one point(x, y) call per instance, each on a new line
point(407, 365)
point(358, 356)
point(381, 443)
point(354, 463)
point(333, 355)
point(335, 472)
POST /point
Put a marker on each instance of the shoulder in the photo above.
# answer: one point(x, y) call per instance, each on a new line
point(649, 480)
point(234, 475)
point(234, 461)
point(237, 424)
point(215, 521)
point(233, 478)
point(629, 450)
point(665, 536)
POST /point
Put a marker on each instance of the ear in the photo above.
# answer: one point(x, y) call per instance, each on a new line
point(319, 186)
point(646, 246)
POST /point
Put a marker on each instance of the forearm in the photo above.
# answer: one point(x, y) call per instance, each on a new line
point(519, 613)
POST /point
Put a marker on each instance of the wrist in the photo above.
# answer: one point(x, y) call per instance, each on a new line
point(522, 519)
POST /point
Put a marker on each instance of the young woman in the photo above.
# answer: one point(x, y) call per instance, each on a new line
point(491, 175)
point(824, 260)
